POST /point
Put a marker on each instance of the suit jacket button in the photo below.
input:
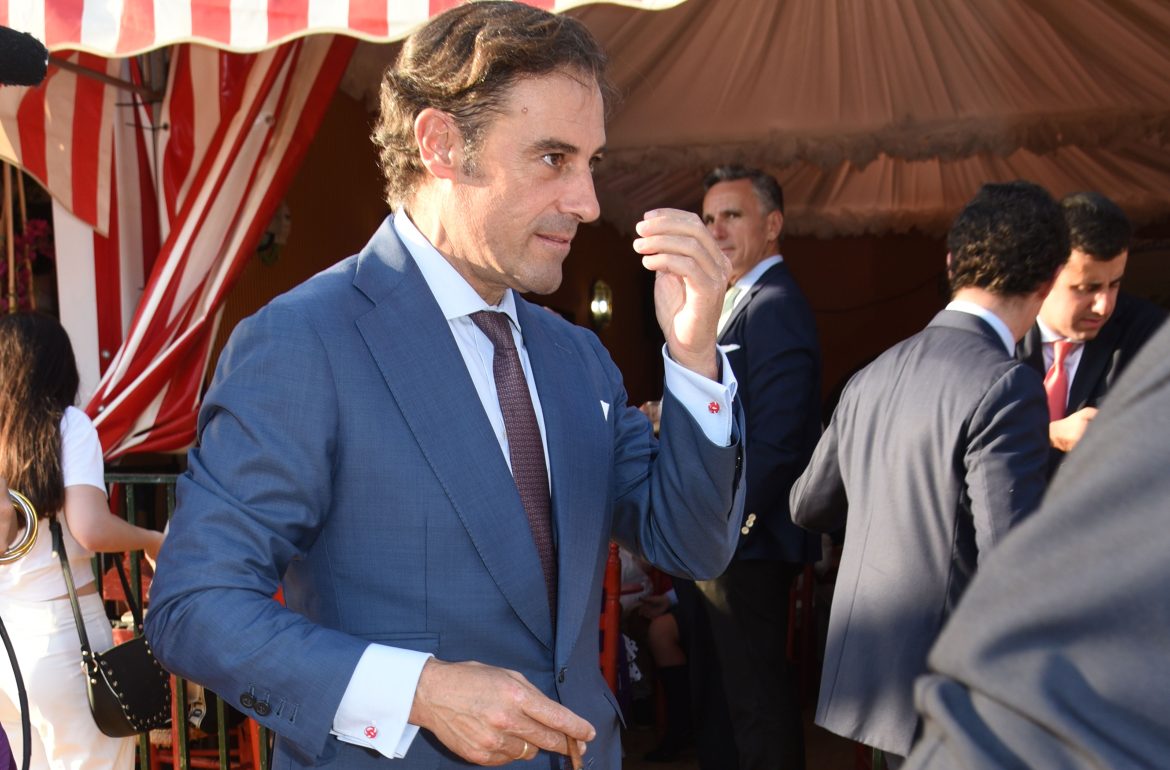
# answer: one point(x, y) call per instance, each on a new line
point(561, 676)
point(744, 530)
point(247, 700)
point(262, 708)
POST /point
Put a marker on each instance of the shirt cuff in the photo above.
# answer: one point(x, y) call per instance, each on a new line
point(709, 402)
point(377, 701)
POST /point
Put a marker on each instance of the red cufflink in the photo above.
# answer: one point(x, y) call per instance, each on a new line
point(713, 408)
point(371, 732)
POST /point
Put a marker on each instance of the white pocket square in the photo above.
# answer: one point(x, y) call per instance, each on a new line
point(729, 348)
point(604, 410)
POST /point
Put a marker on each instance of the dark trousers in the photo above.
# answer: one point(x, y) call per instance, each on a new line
point(736, 629)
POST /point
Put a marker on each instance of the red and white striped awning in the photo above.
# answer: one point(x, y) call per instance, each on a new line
point(178, 199)
point(127, 27)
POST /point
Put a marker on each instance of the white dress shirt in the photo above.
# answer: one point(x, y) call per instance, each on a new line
point(374, 710)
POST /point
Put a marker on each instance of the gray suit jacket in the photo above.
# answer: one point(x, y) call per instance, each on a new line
point(344, 454)
point(934, 451)
point(1057, 656)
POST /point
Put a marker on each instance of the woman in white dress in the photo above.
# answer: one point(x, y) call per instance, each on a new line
point(49, 451)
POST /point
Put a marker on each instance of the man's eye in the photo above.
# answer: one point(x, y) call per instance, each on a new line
point(554, 159)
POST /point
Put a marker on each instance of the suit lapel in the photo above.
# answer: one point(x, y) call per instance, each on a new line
point(1031, 350)
point(412, 345)
point(774, 273)
point(576, 430)
point(1095, 356)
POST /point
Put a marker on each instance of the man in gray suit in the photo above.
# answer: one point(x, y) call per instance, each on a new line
point(1057, 655)
point(934, 451)
point(431, 466)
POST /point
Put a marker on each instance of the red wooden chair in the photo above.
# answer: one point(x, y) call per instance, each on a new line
point(611, 618)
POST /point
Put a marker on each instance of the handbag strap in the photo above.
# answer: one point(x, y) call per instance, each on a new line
point(59, 547)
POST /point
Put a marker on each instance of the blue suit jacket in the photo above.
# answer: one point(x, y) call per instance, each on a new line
point(771, 342)
point(344, 452)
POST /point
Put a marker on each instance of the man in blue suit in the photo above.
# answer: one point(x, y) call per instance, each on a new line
point(431, 466)
point(738, 622)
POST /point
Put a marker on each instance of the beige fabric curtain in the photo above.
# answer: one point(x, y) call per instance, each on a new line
point(879, 115)
point(882, 115)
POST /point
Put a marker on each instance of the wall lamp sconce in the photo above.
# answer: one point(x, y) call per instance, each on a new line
point(601, 304)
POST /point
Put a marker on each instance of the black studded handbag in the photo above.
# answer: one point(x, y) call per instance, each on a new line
point(129, 692)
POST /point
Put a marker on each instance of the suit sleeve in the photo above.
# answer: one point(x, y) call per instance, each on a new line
point(1006, 459)
point(818, 499)
point(677, 502)
point(253, 499)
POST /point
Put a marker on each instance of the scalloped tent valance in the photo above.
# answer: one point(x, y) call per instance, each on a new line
point(883, 115)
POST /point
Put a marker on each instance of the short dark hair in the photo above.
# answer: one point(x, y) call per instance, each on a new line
point(768, 190)
point(463, 62)
point(1009, 240)
point(1096, 225)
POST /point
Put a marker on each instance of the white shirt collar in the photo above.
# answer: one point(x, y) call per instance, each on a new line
point(1005, 334)
point(748, 279)
point(1047, 336)
point(454, 294)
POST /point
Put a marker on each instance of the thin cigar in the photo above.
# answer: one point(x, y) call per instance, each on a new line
point(574, 754)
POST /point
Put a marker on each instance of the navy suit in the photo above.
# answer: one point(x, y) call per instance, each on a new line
point(935, 450)
point(737, 623)
point(344, 453)
point(1104, 357)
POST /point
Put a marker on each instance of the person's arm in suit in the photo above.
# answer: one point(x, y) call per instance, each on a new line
point(1006, 456)
point(818, 499)
point(255, 496)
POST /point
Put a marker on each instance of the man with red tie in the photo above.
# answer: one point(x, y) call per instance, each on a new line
point(1087, 332)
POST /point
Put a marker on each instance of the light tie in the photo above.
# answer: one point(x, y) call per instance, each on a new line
point(728, 304)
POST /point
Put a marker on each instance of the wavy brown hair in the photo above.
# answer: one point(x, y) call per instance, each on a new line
point(38, 379)
point(464, 62)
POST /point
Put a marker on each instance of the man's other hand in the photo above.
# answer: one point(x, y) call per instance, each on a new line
point(492, 716)
point(689, 286)
point(1065, 434)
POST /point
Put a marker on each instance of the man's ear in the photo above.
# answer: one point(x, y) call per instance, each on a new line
point(775, 223)
point(438, 141)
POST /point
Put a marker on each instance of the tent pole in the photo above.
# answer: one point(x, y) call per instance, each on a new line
point(144, 93)
point(8, 238)
point(26, 255)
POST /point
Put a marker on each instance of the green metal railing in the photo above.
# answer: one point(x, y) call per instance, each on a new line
point(131, 489)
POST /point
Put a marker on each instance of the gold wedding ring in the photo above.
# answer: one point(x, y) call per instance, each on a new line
point(523, 752)
point(18, 550)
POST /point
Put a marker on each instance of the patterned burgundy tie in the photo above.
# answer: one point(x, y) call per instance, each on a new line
point(525, 448)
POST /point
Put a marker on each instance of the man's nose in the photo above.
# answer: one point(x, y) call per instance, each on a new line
point(580, 199)
point(717, 230)
point(1103, 303)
